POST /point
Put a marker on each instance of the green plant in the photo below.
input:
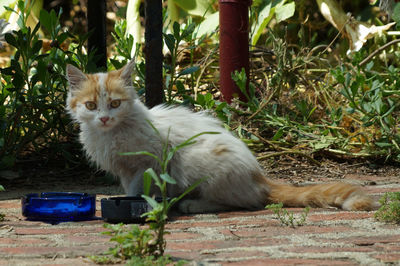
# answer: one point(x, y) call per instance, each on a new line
point(157, 217)
point(264, 11)
point(33, 90)
point(240, 79)
point(173, 42)
point(389, 211)
point(134, 245)
point(123, 45)
point(373, 101)
point(288, 218)
point(135, 242)
point(140, 244)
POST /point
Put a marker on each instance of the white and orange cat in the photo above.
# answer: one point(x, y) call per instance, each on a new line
point(113, 120)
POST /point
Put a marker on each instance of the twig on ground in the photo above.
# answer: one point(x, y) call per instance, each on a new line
point(377, 51)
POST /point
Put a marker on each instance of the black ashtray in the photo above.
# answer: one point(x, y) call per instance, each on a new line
point(124, 209)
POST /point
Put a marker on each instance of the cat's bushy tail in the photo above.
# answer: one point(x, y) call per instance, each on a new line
point(340, 195)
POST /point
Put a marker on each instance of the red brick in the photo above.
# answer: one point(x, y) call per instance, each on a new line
point(366, 241)
point(197, 245)
point(86, 239)
point(387, 247)
point(389, 258)
point(282, 230)
point(235, 214)
point(184, 255)
point(234, 255)
point(315, 249)
point(288, 261)
point(57, 230)
point(10, 205)
point(4, 241)
point(259, 242)
point(339, 216)
point(184, 226)
point(29, 251)
point(182, 236)
point(34, 252)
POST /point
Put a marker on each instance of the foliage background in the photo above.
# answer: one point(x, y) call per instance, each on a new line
point(307, 98)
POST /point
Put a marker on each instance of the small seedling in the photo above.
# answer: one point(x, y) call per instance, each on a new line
point(389, 211)
point(146, 246)
point(288, 218)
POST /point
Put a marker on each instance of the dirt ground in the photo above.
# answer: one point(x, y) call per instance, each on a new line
point(293, 170)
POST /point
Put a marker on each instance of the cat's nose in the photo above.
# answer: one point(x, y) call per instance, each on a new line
point(104, 119)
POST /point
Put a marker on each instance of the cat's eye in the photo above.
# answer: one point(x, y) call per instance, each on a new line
point(115, 103)
point(91, 105)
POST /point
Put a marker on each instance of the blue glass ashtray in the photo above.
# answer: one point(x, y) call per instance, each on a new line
point(59, 206)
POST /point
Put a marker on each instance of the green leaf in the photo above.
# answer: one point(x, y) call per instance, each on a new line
point(36, 47)
point(188, 30)
point(190, 141)
point(146, 182)
point(10, 39)
point(188, 190)
point(5, 7)
point(167, 178)
point(2, 188)
point(150, 172)
point(7, 161)
point(278, 135)
point(264, 17)
point(194, 7)
point(45, 19)
point(189, 70)
point(383, 144)
point(209, 25)
point(153, 203)
point(177, 31)
point(139, 153)
point(170, 42)
point(396, 13)
point(284, 12)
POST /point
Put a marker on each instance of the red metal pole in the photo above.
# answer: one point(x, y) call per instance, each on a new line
point(233, 45)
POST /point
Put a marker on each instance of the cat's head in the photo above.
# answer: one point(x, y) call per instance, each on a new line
point(101, 100)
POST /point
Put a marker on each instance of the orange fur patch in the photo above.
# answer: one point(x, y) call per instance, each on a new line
point(364, 204)
point(321, 195)
point(115, 87)
point(259, 178)
point(90, 89)
point(220, 149)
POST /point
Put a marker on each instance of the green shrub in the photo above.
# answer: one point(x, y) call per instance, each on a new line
point(33, 91)
point(389, 211)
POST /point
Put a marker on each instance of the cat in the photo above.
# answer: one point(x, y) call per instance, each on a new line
point(112, 120)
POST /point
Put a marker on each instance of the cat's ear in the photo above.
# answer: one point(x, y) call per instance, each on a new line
point(126, 72)
point(75, 77)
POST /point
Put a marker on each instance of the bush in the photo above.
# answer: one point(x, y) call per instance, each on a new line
point(34, 88)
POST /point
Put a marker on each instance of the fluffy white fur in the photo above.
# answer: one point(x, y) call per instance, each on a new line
point(235, 179)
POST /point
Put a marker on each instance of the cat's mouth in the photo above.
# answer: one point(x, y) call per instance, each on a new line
point(105, 126)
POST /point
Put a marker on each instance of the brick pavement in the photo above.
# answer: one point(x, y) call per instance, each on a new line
point(329, 237)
